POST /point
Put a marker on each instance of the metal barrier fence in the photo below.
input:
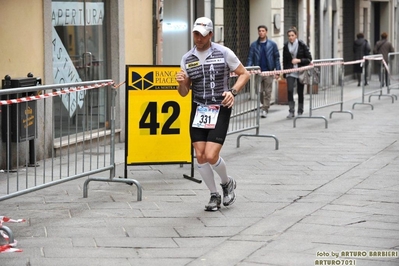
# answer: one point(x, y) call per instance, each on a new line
point(374, 70)
point(82, 146)
point(90, 150)
point(329, 91)
point(6, 232)
point(393, 74)
point(246, 110)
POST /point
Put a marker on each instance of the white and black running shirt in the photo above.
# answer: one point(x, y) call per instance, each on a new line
point(209, 72)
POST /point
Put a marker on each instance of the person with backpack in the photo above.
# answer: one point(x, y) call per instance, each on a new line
point(361, 47)
point(384, 47)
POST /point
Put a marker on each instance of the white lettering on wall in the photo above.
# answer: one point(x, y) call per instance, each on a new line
point(75, 13)
point(65, 72)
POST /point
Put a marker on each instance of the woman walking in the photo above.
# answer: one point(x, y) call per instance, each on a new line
point(295, 54)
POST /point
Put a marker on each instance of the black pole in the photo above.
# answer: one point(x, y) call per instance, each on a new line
point(32, 157)
point(191, 177)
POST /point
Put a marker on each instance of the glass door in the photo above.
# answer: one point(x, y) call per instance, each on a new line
point(79, 54)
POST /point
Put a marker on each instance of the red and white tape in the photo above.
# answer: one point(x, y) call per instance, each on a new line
point(5, 219)
point(286, 71)
point(55, 93)
point(379, 58)
point(354, 62)
point(10, 247)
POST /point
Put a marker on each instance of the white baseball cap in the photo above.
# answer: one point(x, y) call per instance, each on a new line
point(203, 25)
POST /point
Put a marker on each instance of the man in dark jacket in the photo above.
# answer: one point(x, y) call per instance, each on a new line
point(384, 47)
point(264, 53)
point(361, 47)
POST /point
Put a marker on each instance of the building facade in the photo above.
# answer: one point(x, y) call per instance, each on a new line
point(68, 41)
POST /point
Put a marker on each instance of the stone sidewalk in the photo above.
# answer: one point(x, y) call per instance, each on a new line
point(327, 196)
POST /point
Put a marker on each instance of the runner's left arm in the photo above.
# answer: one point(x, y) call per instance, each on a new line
point(243, 77)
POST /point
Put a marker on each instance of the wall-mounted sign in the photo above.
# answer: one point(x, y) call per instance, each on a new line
point(174, 26)
point(64, 71)
point(77, 13)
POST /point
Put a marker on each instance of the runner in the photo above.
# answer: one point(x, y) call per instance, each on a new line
point(206, 68)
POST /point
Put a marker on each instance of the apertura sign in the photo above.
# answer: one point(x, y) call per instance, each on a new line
point(77, 14)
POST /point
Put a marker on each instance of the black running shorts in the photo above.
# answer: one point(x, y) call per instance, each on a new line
point(218, 134)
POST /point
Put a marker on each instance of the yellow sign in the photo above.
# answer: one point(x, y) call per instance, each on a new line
point(157, 119)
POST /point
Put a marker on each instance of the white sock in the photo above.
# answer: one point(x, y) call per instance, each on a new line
point(207, 175)
point(220, 168)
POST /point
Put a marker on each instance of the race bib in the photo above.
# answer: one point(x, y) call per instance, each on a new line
point(206, 116)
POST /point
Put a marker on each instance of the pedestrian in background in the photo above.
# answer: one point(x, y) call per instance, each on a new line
point(264, 53)
point(384, 47)
point(295, 54)
point(361, 47)
point(206, 69)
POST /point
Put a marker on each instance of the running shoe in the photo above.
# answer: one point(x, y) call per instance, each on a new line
point(214, 203)
point(229, 196)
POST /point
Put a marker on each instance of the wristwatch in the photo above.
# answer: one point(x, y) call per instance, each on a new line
point(233, 91)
